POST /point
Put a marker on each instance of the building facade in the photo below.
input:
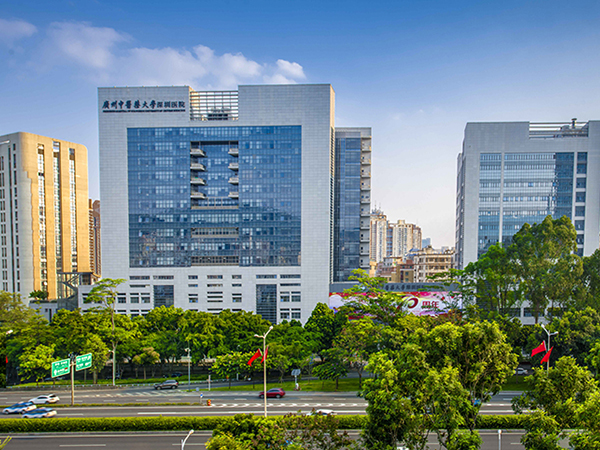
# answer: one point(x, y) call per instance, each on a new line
point(95, 251)
point(352, 201)
point(378, 236)
point(405, 237)
point(219, 200)
point(43, 212)
point(429, 261)
point(514, 173)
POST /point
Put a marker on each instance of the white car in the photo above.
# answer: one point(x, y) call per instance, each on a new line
point(321, 412)
point(19, 408)
point(39, 413)
point(44, 399)
point(521, 371)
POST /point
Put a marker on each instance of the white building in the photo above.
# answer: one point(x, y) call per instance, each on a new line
point(218, 200)
point(519, 172)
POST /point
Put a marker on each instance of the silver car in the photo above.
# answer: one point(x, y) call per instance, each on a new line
point(44, 399)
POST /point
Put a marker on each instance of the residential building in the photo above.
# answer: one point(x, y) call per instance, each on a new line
point(352, 201)
point(405, 237)
point(512, 173)
point(429, 261)
point(379, 236)
point(43, 212)
point(95, 251)
point(226, 199)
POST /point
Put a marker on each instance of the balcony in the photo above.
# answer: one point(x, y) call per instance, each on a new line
point(365, 174)
point(234, 151)
point(365, 185)
point(234, 180)
point(199, 195)
point(234, 166)
point(365, 160)
point(364, 239)
point(197, 152)
point(198, 181)
point(365, 212)
point(197, 166)
point(234, 195)
point(365, 199)
point(364, 250)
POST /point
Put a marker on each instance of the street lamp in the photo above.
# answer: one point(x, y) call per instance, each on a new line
point(186, 438)
point(7, 333)
point(189, 359)
point(549, 334)
point(264, 338)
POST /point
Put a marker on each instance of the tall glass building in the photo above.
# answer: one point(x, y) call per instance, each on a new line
point(514, 173)
point(225, 200)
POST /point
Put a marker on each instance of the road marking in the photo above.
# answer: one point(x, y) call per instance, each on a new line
point(73, 414)
point(82, 445)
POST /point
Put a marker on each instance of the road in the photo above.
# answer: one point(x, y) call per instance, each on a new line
point(164, 440)
point(223, 402)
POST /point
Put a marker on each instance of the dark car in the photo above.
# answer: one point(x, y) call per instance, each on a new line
point(275, 392)
point(167, 384)
point(176, 374)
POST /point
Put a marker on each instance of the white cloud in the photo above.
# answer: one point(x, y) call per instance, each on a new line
point(102, 55)
point(13, 30)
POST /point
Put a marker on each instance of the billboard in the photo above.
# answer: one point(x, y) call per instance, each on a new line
point(420, 303)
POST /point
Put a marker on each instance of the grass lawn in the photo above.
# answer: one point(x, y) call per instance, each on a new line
point(515, 383)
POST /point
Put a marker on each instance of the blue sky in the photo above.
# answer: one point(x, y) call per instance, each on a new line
point(416, 72)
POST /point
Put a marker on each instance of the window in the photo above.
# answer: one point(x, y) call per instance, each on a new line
point(214, 285)
point(163, 277)
point(284, 297)
point(193, 285)
point(581, 182)
point(296, 313)
point(580, 239)
point(236, 277)
point(236, 284)
point(580, 224)
point(146, 299)
point(284, 314)
point(193, 298)
point(236, 297)
point(134, 298)
point(290, 284)
point(289, 276)
point(122, 298)
point(580, 197)
point(580, 210)
point(214, 277)
point(192, 277)
point(263, 277)
point(581, 168)
point(582, 156)
point(296, 297)
point(139, 277)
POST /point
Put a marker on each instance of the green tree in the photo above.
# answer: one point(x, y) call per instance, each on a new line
point(588, 437)
point(37, 362)
point(546, 263)
point(324, 325)
point(148, 357)
point(94, 345)
point(357, 341)
point(227, 366)
point(104, 293)
point(333, 368)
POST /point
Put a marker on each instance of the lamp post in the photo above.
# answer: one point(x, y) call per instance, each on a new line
point(189, 373)
point(186, 438)
point(8, 333)
point(549, 334)
point(264, 338)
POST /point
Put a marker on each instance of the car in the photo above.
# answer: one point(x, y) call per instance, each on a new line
point(275, 392)
point(176, 374)
point(43, 399)
point(39, 413)
point(167, 384)
point(19, 408)
point(321, 412)
point(521, 371)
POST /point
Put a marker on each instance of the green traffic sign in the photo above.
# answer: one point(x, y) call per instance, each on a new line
point(60, 368)
point(83, 362)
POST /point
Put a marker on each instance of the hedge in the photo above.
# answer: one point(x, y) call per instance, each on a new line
point(197, 423)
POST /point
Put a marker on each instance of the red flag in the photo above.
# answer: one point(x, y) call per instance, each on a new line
point(539, 349)
point(546, 357)
point(256, 355)
point(265, 355)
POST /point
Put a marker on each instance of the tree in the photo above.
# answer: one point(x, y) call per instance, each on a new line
point(148, 357)
point(38, 295)
point(105, 294)
point(37, 362)
point(324, 325)
point(226, 366)
point(546, 263)
point(99, 351)
point(333, 368)
point(588, 437)
point(357, 341)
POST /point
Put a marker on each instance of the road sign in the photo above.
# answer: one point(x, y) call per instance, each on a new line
point(83, 362)
point(295, 372)
point(60, 368)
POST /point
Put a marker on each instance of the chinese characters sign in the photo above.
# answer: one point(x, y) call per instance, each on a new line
point(122, 106)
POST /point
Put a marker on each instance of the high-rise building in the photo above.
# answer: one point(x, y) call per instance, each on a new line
point(514, 173)
point(43, 212)
point(95, 252)
point(404, 237)
point(352, 201)
point(379, 236)
point(221, 200)
point(429, 261)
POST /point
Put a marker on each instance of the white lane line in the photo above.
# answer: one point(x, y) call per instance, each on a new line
point(73, 414)
point(82, 445)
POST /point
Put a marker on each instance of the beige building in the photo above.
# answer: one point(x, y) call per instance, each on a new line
point(405, 237)
point(44, 227)
point(95, 253)
point(430, 261)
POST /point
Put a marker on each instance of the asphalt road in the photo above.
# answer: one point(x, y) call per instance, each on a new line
point(163, 440)
point(224, 402)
